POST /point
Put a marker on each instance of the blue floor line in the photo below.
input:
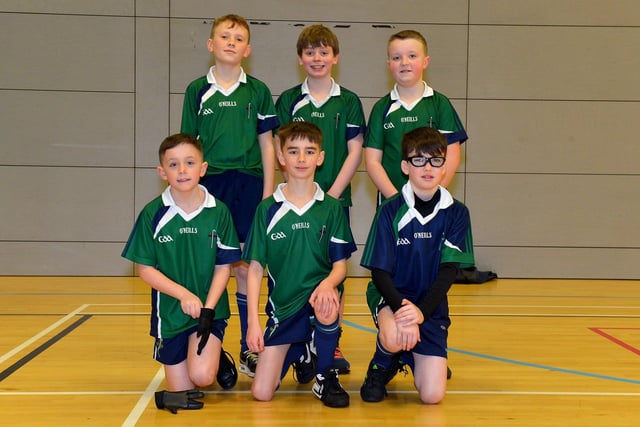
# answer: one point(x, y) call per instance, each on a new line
point(512, 361)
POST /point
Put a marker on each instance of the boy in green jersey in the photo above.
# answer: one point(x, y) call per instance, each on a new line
point(338, 113)
point(303, 236)
point(184, 243)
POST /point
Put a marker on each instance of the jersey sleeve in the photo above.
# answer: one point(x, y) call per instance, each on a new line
point(458, 239)
point(450, 123)
point(355, 117)
point(189, 124)
point(342, 244)
point(380, 248)
point(140, 245)
point(227, 239)
point(267, 116)
point(374, 136)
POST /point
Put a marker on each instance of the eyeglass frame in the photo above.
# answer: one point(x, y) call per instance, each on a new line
point(429, 160)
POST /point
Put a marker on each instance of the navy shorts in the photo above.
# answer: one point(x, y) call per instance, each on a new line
point(240, 192)
point(295, 329)
point(433, 335)
point(171, 351)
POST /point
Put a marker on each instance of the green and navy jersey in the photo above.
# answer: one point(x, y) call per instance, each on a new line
point(340, 118)
point(411, 247)
point(391, 118)
point(298, 246)
point(228, 122)
point(185, 248)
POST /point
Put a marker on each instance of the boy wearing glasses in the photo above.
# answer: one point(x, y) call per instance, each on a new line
point(411, 104)
point(417, 240)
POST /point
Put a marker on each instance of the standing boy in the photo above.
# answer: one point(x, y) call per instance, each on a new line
point(411, 104)
point(233, 115)
point(302, 235)
point(184, 244)
point(339, 115)
point(417, 241)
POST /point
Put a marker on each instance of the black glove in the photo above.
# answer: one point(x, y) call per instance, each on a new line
point(174, 400)
point(204, 327)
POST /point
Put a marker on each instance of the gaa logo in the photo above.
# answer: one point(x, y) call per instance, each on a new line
point(277, 236)
point(165, 239)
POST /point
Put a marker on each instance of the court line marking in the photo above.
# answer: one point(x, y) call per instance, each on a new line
point(42, 333)
point(512, 361)
point(144, 400)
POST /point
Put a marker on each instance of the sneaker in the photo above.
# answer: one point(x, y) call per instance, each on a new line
point(329, 390)
point(227, 375)
point(248, 362)
point(374, 387)
point(449, 373)
point(340, 364)
point(305, 369)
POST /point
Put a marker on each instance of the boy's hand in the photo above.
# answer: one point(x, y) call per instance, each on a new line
point(408, 314)
point(407, 336)
point(204, 327)
point(255, 338)
point(190, 304)
point(324, 299)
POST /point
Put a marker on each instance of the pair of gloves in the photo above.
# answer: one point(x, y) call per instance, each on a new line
point(174, 400)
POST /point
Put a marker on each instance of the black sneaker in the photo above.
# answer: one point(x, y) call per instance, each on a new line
point(227, 374)
point(374, 387)
point(248, 362)
point(329, 390)
point(305, 369)
point(449, 373)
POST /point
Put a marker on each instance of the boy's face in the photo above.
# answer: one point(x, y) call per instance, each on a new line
point(230, 43)
point(300, 158)
point(182, 167)
point(318, 61)
point(424, 179)
point(407, 61)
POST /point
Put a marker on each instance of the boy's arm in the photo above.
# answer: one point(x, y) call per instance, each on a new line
point(219, 282)
point(452, 163)
point(265, 140)
point(255, 339)
point(189, 302)
point(373, 162)
point(349, 167)
point(384, 284)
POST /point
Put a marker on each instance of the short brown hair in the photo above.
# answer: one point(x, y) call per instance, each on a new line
point(174, 140)
point(297, 130)
point(424, 140)
point(316, 36)
point(409, 34)
point(235, 20)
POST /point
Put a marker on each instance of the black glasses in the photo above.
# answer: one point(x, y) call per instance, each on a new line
point(421, 161)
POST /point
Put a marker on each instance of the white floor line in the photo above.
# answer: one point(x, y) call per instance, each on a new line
point(42, 333)
point(144, 400)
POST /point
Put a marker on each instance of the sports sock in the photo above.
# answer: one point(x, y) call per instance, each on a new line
point(293, 355)
point(382, 357)
point(242, 312)
point(326, 338)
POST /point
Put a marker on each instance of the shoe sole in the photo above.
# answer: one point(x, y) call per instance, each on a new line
point(245, 370)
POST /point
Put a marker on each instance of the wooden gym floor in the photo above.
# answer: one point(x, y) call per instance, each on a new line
point(75, 351)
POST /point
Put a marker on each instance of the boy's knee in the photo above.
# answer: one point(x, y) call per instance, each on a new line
point(203, 378)
point(431, 396)
point(261, 392)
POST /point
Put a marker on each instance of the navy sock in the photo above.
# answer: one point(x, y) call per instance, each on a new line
point(242, 312)
point(326, 338)
point(293, 355)
point(382, 357)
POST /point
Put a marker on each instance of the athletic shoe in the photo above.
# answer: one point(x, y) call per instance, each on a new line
point(329, 390)
point(340, 364)
point(449, 373)
point(374, 387)
point(248, 363)
point(305, 369)
point(227, 375)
